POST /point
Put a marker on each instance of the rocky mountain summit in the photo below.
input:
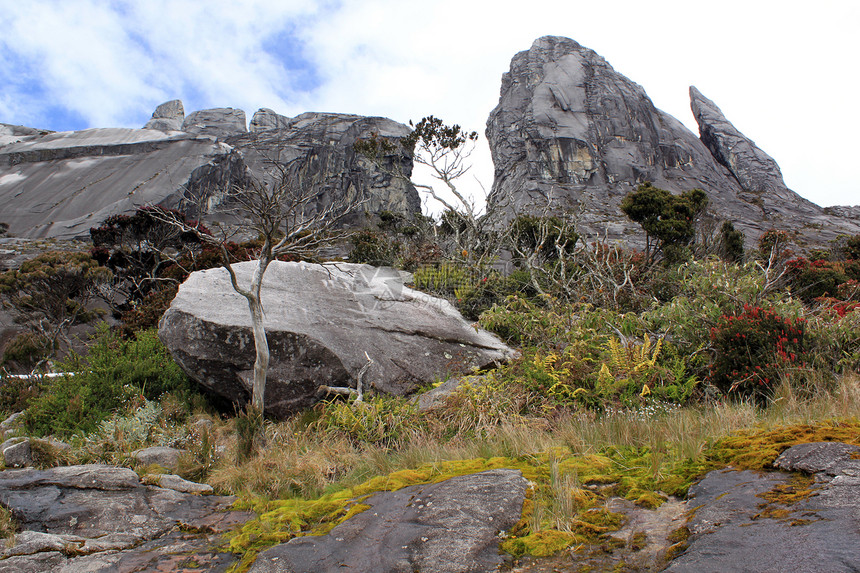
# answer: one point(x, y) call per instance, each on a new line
point(572, 133)
point(59, 185)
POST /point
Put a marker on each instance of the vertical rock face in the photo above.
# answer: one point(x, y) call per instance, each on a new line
point(571, 132)
point(167, 117)
point(319, 147)
point(62, 184)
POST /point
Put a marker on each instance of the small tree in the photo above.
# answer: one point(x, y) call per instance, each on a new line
point(50, 293)
point(138, 248)
point(669, 221)
point(445, 150)
point(287, 220)
point(731, 243)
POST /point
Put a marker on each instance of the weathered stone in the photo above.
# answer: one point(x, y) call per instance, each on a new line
point(831, 458)
point(30, 542)
point(16, 452)
point(219, 122)
point(167, 116)
point(13, 421)
point(104, 510)
point(319, 148)
point(164, 456)
point(15, 133)
point(320, 322)
point(59, 185)
point(736, 527)
point(176, 483)
point(264, 119)
point(436, 397)
point(571, 132)
point(448, 527)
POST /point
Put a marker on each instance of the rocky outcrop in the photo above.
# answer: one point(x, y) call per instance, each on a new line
point(319, 147)
point(748, 521)
point(15, 133)
point(448, 527)
point(754, 169)
point(322, 323)
point(264, 119)
point(220, 122)
point(101, 518)
point(167, 116)
point(571, 132)
point(59, 185)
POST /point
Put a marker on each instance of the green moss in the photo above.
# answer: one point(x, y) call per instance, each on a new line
point(638, 541)
point(758, 449)
point(541, 544)
point(630, 471)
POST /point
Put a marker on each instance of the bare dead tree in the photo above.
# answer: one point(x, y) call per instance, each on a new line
point(285, 214)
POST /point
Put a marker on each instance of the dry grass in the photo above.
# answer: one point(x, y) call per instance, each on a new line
point(305, 460)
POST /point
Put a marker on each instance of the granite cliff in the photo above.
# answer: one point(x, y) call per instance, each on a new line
point(61, 184)
point(571, 131)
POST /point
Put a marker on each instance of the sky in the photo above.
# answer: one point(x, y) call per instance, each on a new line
point(783, 72)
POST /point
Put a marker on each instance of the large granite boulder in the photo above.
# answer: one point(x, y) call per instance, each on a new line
point(320, 322)
point(572, 132)
point(59, 185)
point(449, 527)
point(264, 118)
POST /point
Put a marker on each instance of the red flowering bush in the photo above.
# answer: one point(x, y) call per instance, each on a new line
point(752, 349)
point(814, 279)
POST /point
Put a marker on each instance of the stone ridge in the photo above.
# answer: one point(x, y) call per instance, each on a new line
point(571, 133)
point(59, 185)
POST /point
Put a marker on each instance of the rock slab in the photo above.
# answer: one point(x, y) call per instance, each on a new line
point(101, 518)
point(320, 322)
point(739, 526)
point(448, 527)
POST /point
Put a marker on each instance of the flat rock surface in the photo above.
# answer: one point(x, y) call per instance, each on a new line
point(98, 517)
point(748, 521)
point(320, 322)
point(447, 527)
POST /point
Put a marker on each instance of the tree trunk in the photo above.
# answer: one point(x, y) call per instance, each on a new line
point(261, 364)
point(261, 342)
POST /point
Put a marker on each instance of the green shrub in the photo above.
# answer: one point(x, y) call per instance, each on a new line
point(731, 245)
point(816, 278)
point(753, 349)
point(113, 374)
point(26, 350)
point(833, 338)
point(444, 279)
point(707, 290)
point(373, 248)
point(381, 420)
point(146, 313)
